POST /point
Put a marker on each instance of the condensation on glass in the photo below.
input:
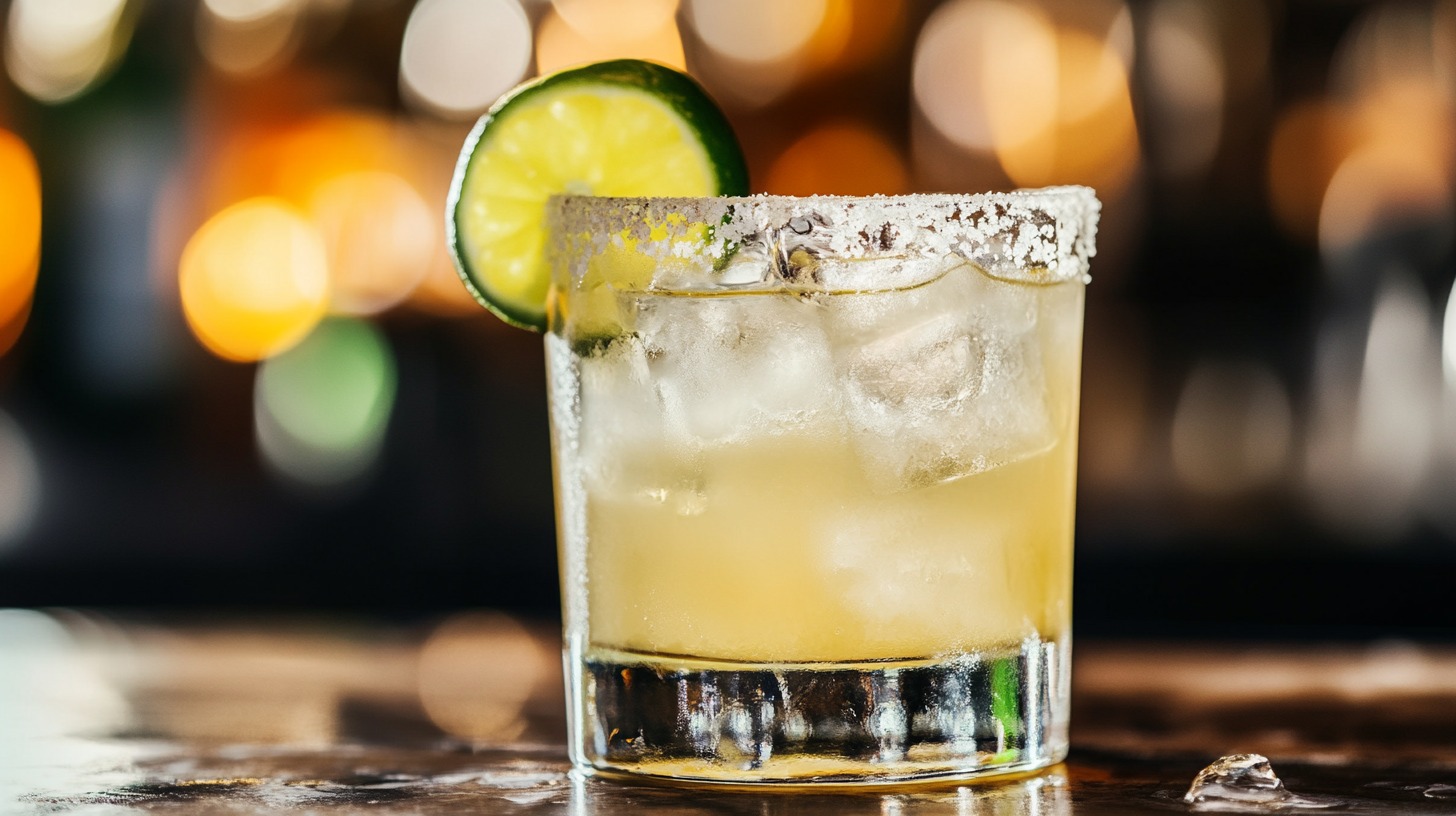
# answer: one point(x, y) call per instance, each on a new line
point(815, 466)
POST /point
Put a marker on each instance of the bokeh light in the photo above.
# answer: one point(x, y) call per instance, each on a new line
point(1448, 339)
point(1392, 111)
point(1186, 84)
point(757, 30)
point(20, 248)
point(477, 670)
point(254, 280)
point(248, 37)
point(619, 20)
point(1052, 104)
point(20, 484)
point(1400, 382)
point(1379, 187)
point(1092, 138)
point(1231, 429)
point(366, 181)
point(294, 158)
point(756, 51)
point(970, 50)
point(321, 408)
point(1377, 390)
point(1309, 141)
point(56, 49)
point(459, 55)
point(640, 29)
point(840, 158)
point(380, 236)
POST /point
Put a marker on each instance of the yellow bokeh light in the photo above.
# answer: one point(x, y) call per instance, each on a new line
point(383, 238)
point(560, 43)
point(831, 40)
point(20, 248)
point(380, 236)
point(844, 158)
point(619, 20)
point(978, 58)
point(254, 280)
point(1052, 105)
point(1092, 138)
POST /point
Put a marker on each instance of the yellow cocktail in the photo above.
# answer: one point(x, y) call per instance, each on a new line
point(815, 467)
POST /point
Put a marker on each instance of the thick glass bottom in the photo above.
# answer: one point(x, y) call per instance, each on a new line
point(989, 712)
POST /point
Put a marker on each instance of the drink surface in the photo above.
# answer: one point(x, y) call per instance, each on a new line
point(820, 478)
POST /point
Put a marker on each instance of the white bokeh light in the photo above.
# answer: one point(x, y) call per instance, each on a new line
point(985, 73)
point(757, 30)
point(56, 49)
point(458, 56)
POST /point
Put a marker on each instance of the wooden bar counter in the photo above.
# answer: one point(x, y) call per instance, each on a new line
point(103, 715)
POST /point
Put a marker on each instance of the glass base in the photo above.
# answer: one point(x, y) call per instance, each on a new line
point(997, 711)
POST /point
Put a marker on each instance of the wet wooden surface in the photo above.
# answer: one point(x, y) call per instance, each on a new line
point(102, 715)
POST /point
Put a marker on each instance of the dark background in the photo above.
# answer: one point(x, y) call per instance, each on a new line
point(1269, 409)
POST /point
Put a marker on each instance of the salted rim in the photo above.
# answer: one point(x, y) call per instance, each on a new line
point(1052, 229)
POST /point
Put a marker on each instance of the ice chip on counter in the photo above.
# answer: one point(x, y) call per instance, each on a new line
point(1244, 783)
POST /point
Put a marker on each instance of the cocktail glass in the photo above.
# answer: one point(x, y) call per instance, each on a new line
point(815, 467)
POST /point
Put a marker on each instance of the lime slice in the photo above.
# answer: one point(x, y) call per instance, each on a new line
point(620, 128)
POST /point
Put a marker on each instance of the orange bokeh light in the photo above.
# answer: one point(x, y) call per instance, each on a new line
point(20, 248)
point(380, 235)
point(1092, 136)
point(1399, 129)
point(254, 280)
point(360, 179)
point(845, 158)
point(294, 159)
point(853, 33)
point(560, 44)
point(1310, 140)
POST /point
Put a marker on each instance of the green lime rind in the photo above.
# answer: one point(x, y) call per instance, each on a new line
point(680, 93)
point(474, 283)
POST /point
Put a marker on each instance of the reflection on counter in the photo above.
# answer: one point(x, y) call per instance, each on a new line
point(101, 715)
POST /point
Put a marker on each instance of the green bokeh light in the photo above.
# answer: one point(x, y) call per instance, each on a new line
point(323, 406)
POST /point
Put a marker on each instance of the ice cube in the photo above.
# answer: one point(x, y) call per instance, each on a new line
point(1246, 782)
point(725, 366)
point(1237, 778)
point(620, 413)
point(942, 380)
point(629, 451)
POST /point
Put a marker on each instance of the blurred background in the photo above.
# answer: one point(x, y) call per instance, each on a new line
point(237, 370)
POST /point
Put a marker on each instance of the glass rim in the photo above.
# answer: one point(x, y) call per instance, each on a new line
point(1069, 201)
point(1049, 229)
point(1055, 196)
